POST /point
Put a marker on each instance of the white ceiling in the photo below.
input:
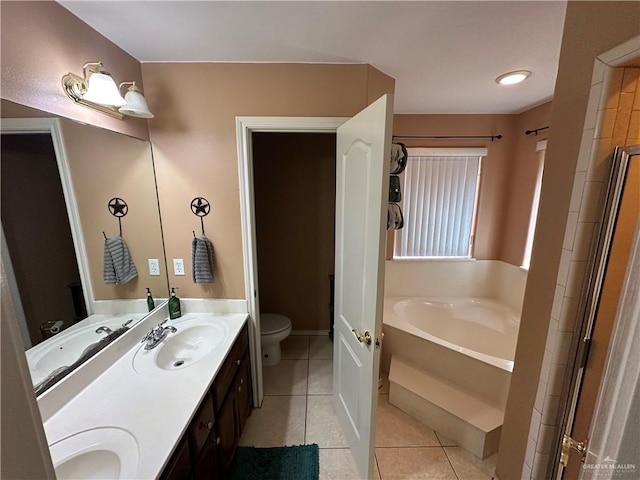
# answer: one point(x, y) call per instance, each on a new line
point(444, 55)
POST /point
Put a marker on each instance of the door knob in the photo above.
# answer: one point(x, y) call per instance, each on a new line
point(366, 338)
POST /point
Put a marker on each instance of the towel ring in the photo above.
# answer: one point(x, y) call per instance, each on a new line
point(200, 207)
point(118, 208)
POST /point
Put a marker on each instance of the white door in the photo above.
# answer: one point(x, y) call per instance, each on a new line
point(362, 183)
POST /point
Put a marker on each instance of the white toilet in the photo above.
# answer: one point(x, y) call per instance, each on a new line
point(274, 328)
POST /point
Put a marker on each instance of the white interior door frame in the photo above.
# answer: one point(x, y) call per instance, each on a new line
point(245, 126)
point(52, 126)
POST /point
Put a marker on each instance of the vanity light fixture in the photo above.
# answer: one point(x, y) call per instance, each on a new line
point(96, 89)
point(136, 105)
point(512, 78)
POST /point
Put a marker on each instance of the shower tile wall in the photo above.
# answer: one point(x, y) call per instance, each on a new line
point(612, 119)
point(298, 409)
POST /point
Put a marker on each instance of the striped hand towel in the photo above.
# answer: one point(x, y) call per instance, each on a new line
point(202, 259)
point(118, 265)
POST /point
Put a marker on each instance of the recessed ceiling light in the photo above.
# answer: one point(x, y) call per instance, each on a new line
point(512, 78)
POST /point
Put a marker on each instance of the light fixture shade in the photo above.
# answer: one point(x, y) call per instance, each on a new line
point(103, 90)
point(136, 104)
point(512, 78)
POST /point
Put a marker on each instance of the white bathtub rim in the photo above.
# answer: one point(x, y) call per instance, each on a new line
point(391, 318)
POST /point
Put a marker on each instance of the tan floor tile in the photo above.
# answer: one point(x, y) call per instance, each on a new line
point(295, 347)
point(414, 463)
point(280, 421)
point(323, 426)
point(394, 428)
point(289, 377)
point(338, 464)
point(446, 442)
point(320, 377)
point(469, 467)
point(320, 348)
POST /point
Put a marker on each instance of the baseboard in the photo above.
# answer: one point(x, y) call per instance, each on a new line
point(310, 333)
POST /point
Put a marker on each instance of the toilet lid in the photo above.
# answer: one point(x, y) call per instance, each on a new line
point(273, 323)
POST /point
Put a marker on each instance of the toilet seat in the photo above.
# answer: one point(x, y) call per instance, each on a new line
point(271, 323)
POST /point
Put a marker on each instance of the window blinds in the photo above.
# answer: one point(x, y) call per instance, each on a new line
point(439, 198)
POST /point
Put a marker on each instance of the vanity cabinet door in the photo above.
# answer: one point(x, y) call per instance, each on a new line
point(227, 429)
point(201, 426)
point(225, 377)
point(179, 466)
point(243, 393)
point(206, 467)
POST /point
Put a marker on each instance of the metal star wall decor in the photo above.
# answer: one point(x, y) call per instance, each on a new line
point(200, 206)
point(118, 207)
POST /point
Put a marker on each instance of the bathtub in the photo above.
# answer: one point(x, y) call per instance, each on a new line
point(469, 342)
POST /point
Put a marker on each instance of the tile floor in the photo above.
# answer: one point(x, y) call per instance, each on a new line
point(298, 409)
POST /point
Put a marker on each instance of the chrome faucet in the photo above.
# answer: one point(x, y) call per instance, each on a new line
point(108, 331)
point(156, 335)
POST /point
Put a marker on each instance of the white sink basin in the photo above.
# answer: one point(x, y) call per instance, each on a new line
point(99, 453)
point(195, 340)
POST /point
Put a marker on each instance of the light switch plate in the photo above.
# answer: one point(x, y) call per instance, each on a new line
point(178, 266)
point(154, 266)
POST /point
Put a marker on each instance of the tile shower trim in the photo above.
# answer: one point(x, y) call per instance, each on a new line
point(587, 197)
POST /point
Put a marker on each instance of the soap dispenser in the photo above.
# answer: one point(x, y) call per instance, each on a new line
point(174, 305)
point(150, 303)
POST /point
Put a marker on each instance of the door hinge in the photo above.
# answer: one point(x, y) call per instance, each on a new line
point(567, 444)
point(584, 352)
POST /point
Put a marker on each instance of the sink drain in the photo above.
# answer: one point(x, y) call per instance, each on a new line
point(178, 363)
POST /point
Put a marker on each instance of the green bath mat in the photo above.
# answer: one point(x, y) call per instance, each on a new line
point(299, 462)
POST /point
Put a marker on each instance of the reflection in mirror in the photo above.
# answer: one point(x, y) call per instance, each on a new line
point(56, 186)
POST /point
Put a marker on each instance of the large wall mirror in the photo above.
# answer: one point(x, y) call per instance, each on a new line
point(58, 186)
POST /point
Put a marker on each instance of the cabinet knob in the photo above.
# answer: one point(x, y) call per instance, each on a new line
point(239, 389)
point(218, 441)
point(241, 381)
point(207, 425)
point(238, 362)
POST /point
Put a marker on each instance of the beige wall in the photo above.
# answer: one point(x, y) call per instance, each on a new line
point(522, 174)
point(591, 28)
point(104, 165)
point(41, 42)
point(495, 166)
point(194, 144)
point(295, 197)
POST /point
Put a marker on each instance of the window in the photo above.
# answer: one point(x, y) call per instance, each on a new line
point(439, 198)
point(540, 149)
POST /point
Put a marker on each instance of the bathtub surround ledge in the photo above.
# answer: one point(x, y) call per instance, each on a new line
point(460, 415)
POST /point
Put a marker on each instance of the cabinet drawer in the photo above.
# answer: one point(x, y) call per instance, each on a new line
point(225, 375)
point(202, 425)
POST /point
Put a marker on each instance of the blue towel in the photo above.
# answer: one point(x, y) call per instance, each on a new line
point(118, 265)
point(202, 259)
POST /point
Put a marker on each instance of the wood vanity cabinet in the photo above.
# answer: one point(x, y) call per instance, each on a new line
point(207, 450)
point(232, 399)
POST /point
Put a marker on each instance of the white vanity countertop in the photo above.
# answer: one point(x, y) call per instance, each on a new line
point(155, 408)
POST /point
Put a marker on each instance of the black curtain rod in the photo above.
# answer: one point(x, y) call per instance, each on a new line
point(444, 137)
point(536, 130)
